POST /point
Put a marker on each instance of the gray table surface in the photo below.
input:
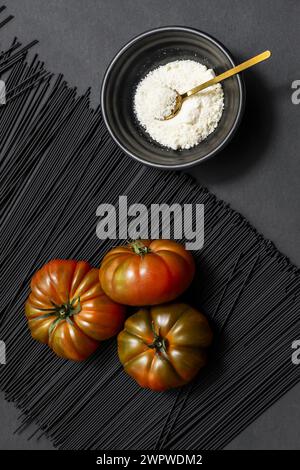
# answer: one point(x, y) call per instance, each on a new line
point(258, 173)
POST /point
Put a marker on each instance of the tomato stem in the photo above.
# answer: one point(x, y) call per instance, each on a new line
point(139, 248)
point(159, 343)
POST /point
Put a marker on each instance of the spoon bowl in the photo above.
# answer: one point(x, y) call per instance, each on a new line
point(177, 107)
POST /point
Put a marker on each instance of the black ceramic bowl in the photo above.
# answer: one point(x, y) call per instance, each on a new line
point(143, 54)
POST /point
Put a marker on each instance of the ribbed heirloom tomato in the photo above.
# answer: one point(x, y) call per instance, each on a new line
point(164, 346)
point(146, 272)
point(68, 310)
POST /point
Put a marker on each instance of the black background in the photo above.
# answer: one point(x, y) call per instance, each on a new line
point(258, 173)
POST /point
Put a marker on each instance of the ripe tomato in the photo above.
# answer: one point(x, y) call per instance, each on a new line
point(164, 346)
point(68, 310)
point(146, 272)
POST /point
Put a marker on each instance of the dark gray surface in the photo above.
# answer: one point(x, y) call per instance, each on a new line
point(258, 173)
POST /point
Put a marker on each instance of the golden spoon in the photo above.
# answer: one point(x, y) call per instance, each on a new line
point(219, 78)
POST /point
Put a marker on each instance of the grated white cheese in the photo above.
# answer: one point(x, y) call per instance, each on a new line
point(199, 115)
point(160, 101)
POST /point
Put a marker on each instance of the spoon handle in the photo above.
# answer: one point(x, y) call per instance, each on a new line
point(219, 78)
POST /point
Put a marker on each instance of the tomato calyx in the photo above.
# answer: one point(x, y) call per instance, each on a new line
point(62, 312)
point(158, 343)
point(68, 309)
point(139, 248)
